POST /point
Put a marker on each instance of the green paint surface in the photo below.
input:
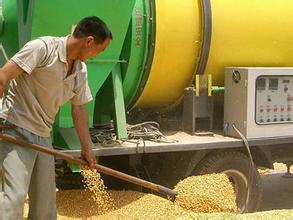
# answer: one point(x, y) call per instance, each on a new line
point(25, 20)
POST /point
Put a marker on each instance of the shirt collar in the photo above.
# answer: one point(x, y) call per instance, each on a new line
point(62, 49)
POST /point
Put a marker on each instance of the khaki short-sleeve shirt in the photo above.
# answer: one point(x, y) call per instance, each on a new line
point(35, 96)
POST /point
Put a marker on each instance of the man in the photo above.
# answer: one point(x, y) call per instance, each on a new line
point(44, 74)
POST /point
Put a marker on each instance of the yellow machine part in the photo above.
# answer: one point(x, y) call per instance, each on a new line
point(244, 33)
point(252, 33)
point(178, 39)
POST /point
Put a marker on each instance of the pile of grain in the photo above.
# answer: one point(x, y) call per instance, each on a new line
point(281, 167)
point(77, 204)
point(268, 215)
point(147, 206)
point(196, 195)
point(93, 182)
point(207, 193)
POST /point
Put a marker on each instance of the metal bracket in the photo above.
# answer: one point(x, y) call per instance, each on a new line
point(120, 122)
point(110, 103)
point(196, 108)
point(198, 102)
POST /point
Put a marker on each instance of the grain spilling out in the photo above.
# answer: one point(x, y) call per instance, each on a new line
point(93, 182)
point(207, 193)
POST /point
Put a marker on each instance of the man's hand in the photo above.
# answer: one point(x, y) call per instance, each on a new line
point(88, 155)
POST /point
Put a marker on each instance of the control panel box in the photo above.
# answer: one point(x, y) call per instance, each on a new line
point(259, 102)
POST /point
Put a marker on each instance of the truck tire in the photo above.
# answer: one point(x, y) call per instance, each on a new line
point(236, 165)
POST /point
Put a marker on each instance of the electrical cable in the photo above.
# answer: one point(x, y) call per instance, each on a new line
point(251, 164)
point(149, 130)
point(146, 131)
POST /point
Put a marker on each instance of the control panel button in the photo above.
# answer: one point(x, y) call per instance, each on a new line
point(289, 98)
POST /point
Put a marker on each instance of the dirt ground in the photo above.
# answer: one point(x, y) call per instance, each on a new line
point(278, 189)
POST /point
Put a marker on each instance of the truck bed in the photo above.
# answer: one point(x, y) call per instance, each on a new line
point(184, 142)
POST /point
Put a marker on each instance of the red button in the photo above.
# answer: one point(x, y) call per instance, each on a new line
point(261, 110)
point(282, 109)
point(275, 109)
point(290, 98)
point(289, 109)
point(268, 110)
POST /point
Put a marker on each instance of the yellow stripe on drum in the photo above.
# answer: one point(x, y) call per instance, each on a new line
point(177, 46)
point(250, 33)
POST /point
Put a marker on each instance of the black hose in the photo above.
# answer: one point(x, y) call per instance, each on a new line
point(251, 164)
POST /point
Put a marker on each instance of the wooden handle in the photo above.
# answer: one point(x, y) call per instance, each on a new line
point(100, 168)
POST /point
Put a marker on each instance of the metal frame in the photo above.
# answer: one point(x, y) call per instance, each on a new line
point(197, 101)
point(196, 107)
point(150, 147)
point(120, 117)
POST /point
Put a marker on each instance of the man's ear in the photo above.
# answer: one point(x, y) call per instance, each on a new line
point(90, 40)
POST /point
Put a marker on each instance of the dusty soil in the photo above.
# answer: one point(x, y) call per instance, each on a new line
point(278, 189)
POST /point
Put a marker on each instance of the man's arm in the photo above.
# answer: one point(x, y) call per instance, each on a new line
point(9, 71)
point(81, 123)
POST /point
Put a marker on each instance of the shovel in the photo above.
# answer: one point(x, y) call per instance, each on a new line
point(99, 168)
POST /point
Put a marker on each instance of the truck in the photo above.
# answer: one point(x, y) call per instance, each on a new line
point(215, 75)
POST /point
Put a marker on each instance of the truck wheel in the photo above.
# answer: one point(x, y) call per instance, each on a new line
point(236, 165)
